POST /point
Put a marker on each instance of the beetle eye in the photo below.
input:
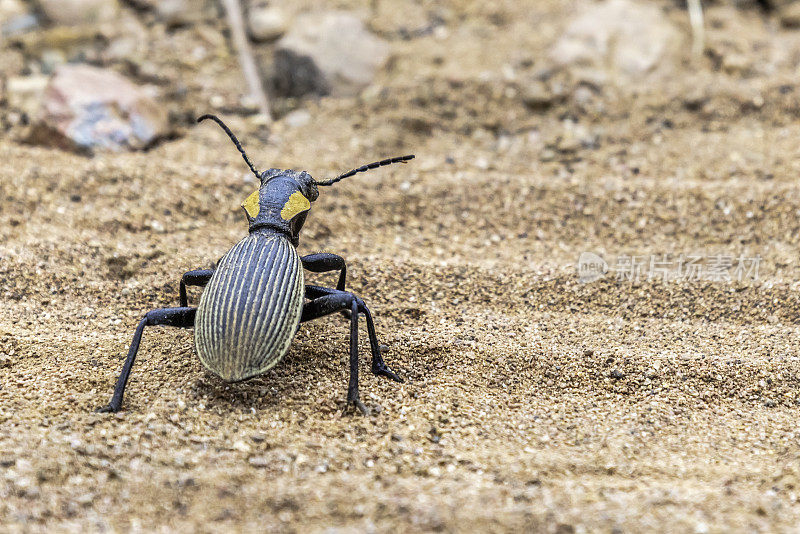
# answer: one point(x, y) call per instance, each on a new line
point(308, 186)
point(251, 205)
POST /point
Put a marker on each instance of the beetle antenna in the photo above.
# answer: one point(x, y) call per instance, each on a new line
point(233, 138)
point(368, 166)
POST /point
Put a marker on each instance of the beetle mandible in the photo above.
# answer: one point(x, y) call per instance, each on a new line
point(254, 301)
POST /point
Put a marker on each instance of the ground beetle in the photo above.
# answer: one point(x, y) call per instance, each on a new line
point(255, 299)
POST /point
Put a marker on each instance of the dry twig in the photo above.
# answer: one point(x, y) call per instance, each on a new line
point(696, 21)
point(239, 36)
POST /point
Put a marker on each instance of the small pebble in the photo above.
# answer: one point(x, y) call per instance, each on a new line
point(258, 461)
point(266, 23)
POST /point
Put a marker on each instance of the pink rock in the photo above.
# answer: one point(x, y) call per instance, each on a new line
point(87, 109)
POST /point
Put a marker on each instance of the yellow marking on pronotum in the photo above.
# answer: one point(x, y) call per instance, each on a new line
point(251, 206)
point(296, 204)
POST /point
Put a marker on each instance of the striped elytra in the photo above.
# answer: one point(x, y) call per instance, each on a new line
point(250, 309)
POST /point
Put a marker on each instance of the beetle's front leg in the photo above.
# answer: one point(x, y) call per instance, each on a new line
point(199, 277)
point(325, 262)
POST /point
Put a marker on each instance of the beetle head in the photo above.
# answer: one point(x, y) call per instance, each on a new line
point(282, 202)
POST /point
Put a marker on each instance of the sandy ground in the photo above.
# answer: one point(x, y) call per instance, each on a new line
point(531, 401)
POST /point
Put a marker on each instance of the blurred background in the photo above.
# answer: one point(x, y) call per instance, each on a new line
point(617, 90)
point(543, 130)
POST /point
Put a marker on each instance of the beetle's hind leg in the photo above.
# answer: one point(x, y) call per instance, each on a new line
point(313, 311)
point(325, 301)
point(352, 384)
point(181, 317)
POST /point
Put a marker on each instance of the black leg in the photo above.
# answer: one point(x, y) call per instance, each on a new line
point(325, 262)
point(352, 385)
point(199, 277)
point(379, 367)
point(314, 292)
point(325, 301)
point(180, 317)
